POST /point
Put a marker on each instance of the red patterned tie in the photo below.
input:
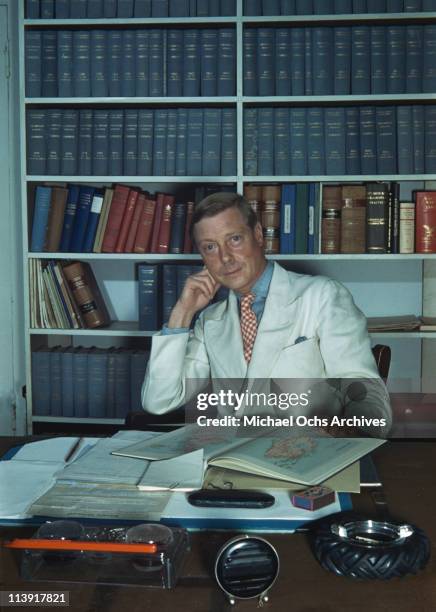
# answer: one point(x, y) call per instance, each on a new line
point(248, 325)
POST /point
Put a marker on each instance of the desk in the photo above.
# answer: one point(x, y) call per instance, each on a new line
point(408, 469)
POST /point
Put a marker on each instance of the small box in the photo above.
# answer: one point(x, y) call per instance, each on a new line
point(314, 498)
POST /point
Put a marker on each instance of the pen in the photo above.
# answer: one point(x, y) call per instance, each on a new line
point(73, 450)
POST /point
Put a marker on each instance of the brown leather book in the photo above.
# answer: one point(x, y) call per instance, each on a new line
point(127, 220)
point(187, 242)
point(165, 225)
point(425, 221)
point(139, 207)
point(253, 195)
point(86, 294)
point(115, 218)
point(68, 299)
point(353, 219)
point(331, 219)
point(143, 235)
point(56, 219)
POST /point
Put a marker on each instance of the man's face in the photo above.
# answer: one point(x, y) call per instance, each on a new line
point(231, 250)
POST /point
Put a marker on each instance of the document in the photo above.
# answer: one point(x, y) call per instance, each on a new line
point(183, 473)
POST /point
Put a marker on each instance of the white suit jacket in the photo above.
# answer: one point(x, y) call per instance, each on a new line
point(310, 329)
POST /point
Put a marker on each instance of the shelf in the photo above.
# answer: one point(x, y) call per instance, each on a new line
point(338, 179)
point(132, 179)
point(131, 21)
point(127, 329)
point(349, 17)
point(107, 101)
point(349, 98)
point(196, 257)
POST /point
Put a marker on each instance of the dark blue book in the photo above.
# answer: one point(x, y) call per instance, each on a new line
point(78, 9)
point(202, 8)
point(114, 56)
point(322, 64)
point(226, 68)
point(156, 62)
point(93, 219)
point(299, 140)
point(250, 61)
point(265, 151)
point(41, 213)
point(80, 378)
point(97, 376)
point(100, 143)
point(405, 140)
point(148, 292)
point(414, 58)
point(175, 63)
point(352, 140)
point(85, 142)
point(412, 6)
point(192, 8)
point(142, 8)
point(209, 62)
point(41, 382)
point(32, 9)
point(125, 8)
point(368, 140)
point(110, 9)
point(191, 63)
point(81, 219)
point(69, 217)
point(171, 144)
point(323, 7)
point(145, 142)
point(283, 84)
point(178, 8)
point(128, 63)
point(288, 219)
point(281, 131)
point(429, 5)
point(65, 64)
point(69, 143)
point(49, 68)
point(130, 143)
point(250, 141)
point(313, 219)
point(253, 8)
point(36, 122)
point(99, 81)
point(394, 6)
point(47, 9)
point(55, 381)
point(270, 7)
point(396, 59)
point(386, 140)
point(138, 365)
point(228, 142)
point(343, 7)
point(194, 143)
point(95, 9)
point(67, 382)
point(82, 63)
point(378, 60)
point(302, 218)
point(418, 139)
point(315, 142)
point(265, 62)
point(430, 139)
point(335, 138)
point(360, 60)
point(182, 133)
point(116, 138)
point(159, 8)
point(342, 61)
point(375, 6)
point(160, 142)
point(359, 6)
point(287, 7)
point(54, 130)
point(110, 383)
point(303, 7)
point(122, 382)
point(429, 60)
point(33, 63)
point(211, 163)
point(227, 8)
point(142, 63)
point(308, 77)
point(177, 233)
point(298, 61)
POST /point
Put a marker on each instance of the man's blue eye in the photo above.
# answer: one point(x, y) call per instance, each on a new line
point(236, 238)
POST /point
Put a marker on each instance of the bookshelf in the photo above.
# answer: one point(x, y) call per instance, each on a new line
point(117, 273)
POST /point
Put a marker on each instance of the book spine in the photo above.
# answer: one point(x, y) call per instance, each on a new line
point(360, 60)
point(394, 6)
point(322, 65)
point(138, 365)
point(270, 7)
point(49, 86)
point(343, 7)
point(425, 222)
point(418, 139)
point(352, 141)
point(165, 229)
point(94, 9)
point(302, 217)
point(126, 221)
point(122, 381)
point(93, 219)
point(282, 162)
point(159, 142)
point(228, 143)
point(99, 83)
point(331, 219)
point(342, 61)
point(100, 142)
point(335, 138)
point(395, 226)
point(177, 228)
point(130, 143)
point(175, 63)
point(159, 8)
point(407, 227)
point(33, 63)
point(78, 9)
point(265, 62)
point(67, 383)
point(139, 207)
point(227, 8)
point(208, 62)
point(405, 140)
point(41, 382)
point(142, 238)
point(377, 217)
point(145, 142)
point(396, 59)
point(128, 43)
point(430, 139)
point(65, 72)
point(110, 384)
point(178, 8)
point(211, 165)
point(288, 219)
point(85, 142)
point(69, 143)
point(55, 382)
point(308, 47)
point(181, 138)
point(368, 140)
point(142, 63)
point(283, 62)
point(32, 9)
point(116, 137)
point(194, 144)
point(187, 242)
point(359, 6)
point(69, 217)
point(171, 143)
point(353, 229)
point(54, 126)
point(86, 294)
point(36, 142)
point(80, 377)
point(56, 216)
point(97, 375)
point(226, 65)
point(40, 218)
point(82, 63)
point(125, 8)
point(191, 63)
point(386, 140)
point(81, 219)
point(315, 141)
point(414, 59)
point(250, 141)
point(253, 7)
point(265, 161)
point(298, 61)
point(148, 297)
point(118, 205)
point(378, 60)
point(114, 51)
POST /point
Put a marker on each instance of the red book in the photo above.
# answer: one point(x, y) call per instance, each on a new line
point(139, 207)
point(425, 221)
point(165, 226)
point(142, 238)
point(127, 220)
point(115, 218)
point(156, 222)
point(187, 243)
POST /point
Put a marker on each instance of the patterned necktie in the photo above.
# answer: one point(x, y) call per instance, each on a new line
point(248, 325)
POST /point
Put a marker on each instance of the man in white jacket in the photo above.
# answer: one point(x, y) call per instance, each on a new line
point(292, 326)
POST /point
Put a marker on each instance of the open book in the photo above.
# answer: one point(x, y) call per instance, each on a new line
point(300, 456)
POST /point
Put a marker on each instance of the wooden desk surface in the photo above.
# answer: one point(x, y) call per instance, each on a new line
point(408, 471)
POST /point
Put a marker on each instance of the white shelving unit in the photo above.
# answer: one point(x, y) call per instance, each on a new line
point(391, 284)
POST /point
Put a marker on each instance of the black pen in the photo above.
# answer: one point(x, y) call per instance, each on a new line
point(73, 450)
